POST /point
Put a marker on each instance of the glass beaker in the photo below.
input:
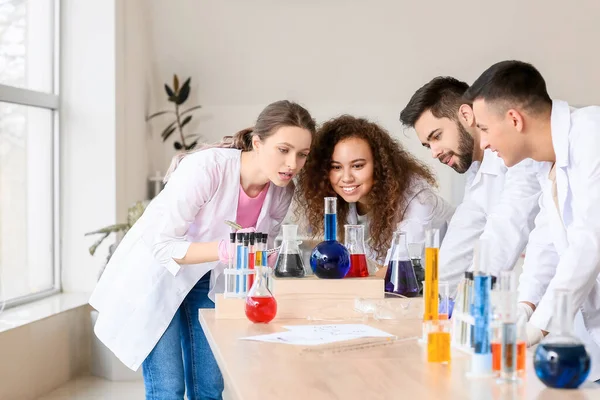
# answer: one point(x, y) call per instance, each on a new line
point(355, 243)
point(400, 276)
point(261, 306)
point(415, 252)
point(289, 262)
point(561, 360)
point(330, 259)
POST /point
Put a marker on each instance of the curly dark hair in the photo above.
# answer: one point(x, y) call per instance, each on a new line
point(394, 170)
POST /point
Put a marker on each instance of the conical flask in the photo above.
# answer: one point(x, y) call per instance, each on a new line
point(400, 276)
point(561, 360)
point(355, 243)
point(289, 262)
point(261, 306)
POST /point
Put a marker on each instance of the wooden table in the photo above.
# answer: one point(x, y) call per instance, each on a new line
point(256, 370)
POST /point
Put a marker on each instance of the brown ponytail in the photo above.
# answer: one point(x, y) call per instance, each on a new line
point(274, 116)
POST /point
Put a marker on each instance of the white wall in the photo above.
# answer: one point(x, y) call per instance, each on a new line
point(364, 58)
point(361, 57)
point(103, 100)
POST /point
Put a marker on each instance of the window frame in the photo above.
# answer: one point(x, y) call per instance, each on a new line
point(51, 102)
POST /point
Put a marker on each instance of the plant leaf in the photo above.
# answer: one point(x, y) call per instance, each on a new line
point(183, 94)
point(156, 114)
point(186, 120)
point(176, 83)
point(177, 146)
point(98, 242)
point(168, 133)
point(166, 130)
point(169, 91)
point(190, 109)
point(109, 229)
point(192, 145)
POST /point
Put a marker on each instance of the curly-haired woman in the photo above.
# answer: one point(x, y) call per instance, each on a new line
point(377, 183)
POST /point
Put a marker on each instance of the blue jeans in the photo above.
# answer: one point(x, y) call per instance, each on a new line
point(182, 359)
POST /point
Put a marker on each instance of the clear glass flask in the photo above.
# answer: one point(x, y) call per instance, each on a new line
point(330, 259)
point(355, 243)
point(289, 262)
point(261, 306)
point(400, 276)
point(561, 361)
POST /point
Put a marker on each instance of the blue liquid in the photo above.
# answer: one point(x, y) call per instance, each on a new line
point(400, 279)
point(481, 312)
point(330, 260)
point(330, 227)
point(238, 265)
point(562, 366)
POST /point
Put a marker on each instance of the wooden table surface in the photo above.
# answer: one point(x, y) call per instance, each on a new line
point(257, 370)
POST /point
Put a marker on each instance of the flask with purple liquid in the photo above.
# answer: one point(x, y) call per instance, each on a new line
point(400, 277)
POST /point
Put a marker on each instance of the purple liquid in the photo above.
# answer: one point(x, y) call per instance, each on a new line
point(400, 279)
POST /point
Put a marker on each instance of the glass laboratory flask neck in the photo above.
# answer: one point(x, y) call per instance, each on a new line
point(355, 238)
point(399, 251)
point(330, 218)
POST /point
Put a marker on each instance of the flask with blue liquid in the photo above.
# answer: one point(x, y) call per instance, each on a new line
point(330, 259)
point(561, 360)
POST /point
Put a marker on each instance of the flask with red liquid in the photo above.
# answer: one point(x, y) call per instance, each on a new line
point(355, 243)
point(261, 306)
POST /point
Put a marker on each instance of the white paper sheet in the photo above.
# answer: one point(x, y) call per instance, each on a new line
point(313, 335)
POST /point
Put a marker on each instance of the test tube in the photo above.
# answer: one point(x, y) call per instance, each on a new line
point(521, 344)
point(230, 281)
point(508, 315)
point(259, 250)
point(251, 255)
point(481, 361)
point(239, 264)
point(245, 257)
point(430, 291)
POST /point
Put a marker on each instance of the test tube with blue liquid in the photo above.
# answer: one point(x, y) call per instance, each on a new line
point(239, 265)
point(481, 360)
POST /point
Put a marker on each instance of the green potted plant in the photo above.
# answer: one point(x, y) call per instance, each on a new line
point(178, 95)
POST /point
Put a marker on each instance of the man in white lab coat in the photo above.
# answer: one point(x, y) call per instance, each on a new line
point(518, 120)
point(499, 203)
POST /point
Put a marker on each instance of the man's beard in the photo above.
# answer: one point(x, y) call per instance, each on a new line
point(465, 148)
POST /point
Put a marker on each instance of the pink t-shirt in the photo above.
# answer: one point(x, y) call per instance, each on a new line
point(249, 208)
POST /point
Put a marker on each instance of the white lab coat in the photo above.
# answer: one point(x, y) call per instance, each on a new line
point(564, 249)
point(142, 286)
point(500, 204)
point(424, 208)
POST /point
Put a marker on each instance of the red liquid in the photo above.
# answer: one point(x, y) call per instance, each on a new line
point(250, 266)
point(261, 309)
point(496, 356)
point(358, 266)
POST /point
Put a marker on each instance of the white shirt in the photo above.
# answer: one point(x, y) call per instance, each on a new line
point(142, 286)
point(500, 204)
point(564, 248)
point(424, 208)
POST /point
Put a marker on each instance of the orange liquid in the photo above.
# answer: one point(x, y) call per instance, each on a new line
point(438, 347)
point(443, 316)
point(521, 355)
point(358, 266)
point(496, 356)
point(261, 309)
